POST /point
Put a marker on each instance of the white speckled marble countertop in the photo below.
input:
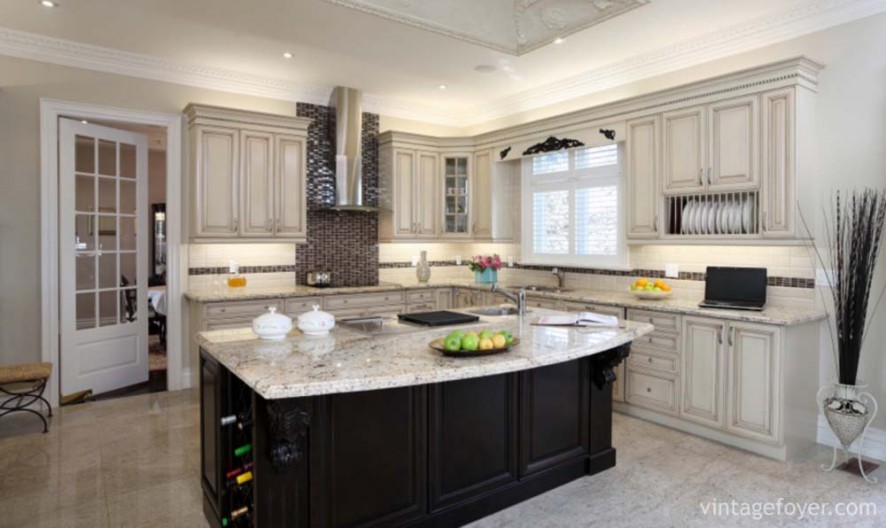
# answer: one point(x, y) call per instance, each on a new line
point(350, 361)
point(772, 314)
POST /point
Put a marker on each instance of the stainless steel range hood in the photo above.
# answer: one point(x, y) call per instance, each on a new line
point(347, 138)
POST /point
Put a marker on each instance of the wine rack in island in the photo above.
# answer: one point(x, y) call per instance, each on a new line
point(227, 460)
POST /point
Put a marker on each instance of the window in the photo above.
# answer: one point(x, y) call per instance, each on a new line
point(573, 204)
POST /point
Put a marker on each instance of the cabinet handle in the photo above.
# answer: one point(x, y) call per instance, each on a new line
point(650, 360)
point(655, 224)
point(731, 335)
point(763, 221)
point(236, 224)
point(700, 176)
point(720, 336)
point(279, 225)
point(709, 176)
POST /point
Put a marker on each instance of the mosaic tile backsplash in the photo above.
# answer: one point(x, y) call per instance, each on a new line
point(344, 243)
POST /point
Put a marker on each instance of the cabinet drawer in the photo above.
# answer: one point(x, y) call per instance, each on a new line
point(301, 305)
point(650, 390)
point(663, 363)
point(663, 322)
point(369, 299)
point(366, 311)
point(420, 307)
point(249, 309)
point(617, 311)
point(421, 296)
point(227, 324)
point(541, 302)
point(659, 342)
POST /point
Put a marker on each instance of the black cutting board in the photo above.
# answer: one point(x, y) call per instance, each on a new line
point(439, 318)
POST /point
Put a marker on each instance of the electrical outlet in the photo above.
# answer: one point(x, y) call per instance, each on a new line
point(824, 277)
point(672, 271)
point(510, 262)
point(414, 261)
point(458, 260)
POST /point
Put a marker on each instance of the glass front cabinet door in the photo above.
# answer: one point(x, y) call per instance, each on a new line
point(456, 196)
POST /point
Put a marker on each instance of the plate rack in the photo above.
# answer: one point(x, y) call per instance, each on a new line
point(720, 215)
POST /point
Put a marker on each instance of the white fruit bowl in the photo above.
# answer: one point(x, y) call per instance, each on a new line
point(651, 295)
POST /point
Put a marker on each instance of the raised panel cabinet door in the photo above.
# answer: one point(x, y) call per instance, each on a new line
point(404, 193)
point(778, 164)
point(684, 145)
point(217, 181)
point(291, 192)
point(427, 202)
point(752, 381)
point(554, 405)
point(369, 458)
point(642, 153)
point(482, 196)
point(702, 371)
point(734, 140)
point(257, 177)
point(481, 413)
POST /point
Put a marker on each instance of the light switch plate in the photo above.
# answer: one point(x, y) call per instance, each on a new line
point(414, 261)
point(672, 271)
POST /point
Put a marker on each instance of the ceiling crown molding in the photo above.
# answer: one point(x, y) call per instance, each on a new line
point(718, 44)
point(739, 38)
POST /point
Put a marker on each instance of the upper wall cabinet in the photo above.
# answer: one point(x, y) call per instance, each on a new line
point(435, 189)
point(712, 147)
point(248, 175)
point(642, 164)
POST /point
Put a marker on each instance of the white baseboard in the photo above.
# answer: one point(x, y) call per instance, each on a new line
point(874, 441)
point(186, 381)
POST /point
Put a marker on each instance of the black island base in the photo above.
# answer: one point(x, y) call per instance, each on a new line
point(437, 455)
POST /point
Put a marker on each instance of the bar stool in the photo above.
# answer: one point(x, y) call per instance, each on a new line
point(22, 386)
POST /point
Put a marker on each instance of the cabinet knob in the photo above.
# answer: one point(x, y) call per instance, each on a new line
point(650, 360)
point(648, 389)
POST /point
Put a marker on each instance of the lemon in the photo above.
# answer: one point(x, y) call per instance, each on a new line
point(486, 344)
point(499, 341)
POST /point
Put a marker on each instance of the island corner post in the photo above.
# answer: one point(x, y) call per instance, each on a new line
point(438, 455)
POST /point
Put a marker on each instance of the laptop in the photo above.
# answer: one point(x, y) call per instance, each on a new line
point(735, 288)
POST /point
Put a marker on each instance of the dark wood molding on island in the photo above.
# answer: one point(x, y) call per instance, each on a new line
point(435, 455)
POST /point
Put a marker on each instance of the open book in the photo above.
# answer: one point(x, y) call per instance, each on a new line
point(579, 319)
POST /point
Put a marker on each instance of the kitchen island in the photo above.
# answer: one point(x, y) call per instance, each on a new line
point(377, 429)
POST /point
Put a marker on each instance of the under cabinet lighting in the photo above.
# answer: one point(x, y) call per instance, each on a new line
point(443, 87)
point(559, 40)
point(48, 3)
point(85, 122)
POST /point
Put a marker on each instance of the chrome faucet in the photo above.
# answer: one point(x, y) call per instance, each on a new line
point(518, 298)
point(561, 277)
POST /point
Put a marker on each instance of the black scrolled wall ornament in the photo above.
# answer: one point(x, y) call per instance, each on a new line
point(504, 153)
point(551, 144)
point(608, 133)
point(605, 363)
point(288, 430)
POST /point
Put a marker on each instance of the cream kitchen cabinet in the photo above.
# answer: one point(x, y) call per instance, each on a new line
point(481, 193)
point(413, 195)
point(702, 371)
point(248, 175)
point(458, 195)
point(712, 147)
point(753, 363)
point(642, 153)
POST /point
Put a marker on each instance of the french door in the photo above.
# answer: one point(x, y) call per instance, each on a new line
point(103, 237)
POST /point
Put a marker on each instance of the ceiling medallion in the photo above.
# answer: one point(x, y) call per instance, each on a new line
point(510, 26)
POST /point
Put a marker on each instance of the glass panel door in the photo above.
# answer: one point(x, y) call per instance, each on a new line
point(455, 193)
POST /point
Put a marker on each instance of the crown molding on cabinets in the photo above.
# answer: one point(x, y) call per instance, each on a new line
point(736, 39)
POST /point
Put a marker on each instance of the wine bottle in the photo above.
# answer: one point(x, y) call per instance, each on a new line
point(234, 472)
point(242, 421)
point(239, 512)
point(242, 450)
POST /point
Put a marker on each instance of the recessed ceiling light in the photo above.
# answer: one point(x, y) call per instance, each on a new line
point(287, 55)
point(485, 68)
point(85, 122)
point(442, 87)
point(559, 40)
point(48, 3)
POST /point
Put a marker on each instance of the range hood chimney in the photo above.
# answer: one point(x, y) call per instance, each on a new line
point(348, 134)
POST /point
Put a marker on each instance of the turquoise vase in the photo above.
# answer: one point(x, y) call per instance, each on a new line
point(487, 276)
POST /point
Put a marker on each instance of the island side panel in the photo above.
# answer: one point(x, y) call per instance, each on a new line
point(603, 373)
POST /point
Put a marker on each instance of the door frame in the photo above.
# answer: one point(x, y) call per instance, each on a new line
point(177, 377)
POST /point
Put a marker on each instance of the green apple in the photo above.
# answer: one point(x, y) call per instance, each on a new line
point(486, 334)
point(656, 289)
point(452, 343)
point(457, 334)
point(470, 342)
point(649, 287)
point(509, 338)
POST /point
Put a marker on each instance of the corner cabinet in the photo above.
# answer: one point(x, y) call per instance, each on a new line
point(438, 189)
point(248, 175)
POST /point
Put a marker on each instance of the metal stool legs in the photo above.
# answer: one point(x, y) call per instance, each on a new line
point(20, 400)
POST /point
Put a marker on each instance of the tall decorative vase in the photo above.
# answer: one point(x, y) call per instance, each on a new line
point(423, 269)
point(849, 411)
point(487, 276)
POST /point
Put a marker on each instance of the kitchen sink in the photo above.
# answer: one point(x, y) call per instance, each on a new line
point(499, 312)
point(545, 289)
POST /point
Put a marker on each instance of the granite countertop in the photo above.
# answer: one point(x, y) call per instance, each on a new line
point(351, 361)
point(772, 314)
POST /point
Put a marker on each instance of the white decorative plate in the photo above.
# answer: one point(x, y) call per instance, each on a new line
point(746, 216)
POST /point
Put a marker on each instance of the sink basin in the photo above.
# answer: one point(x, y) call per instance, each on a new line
point(546, 289)
point(498, 312)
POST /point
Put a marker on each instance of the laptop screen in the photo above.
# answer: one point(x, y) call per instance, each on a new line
point(741, 285)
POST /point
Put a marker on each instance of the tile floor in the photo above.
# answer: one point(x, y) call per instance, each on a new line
point(133, 462)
